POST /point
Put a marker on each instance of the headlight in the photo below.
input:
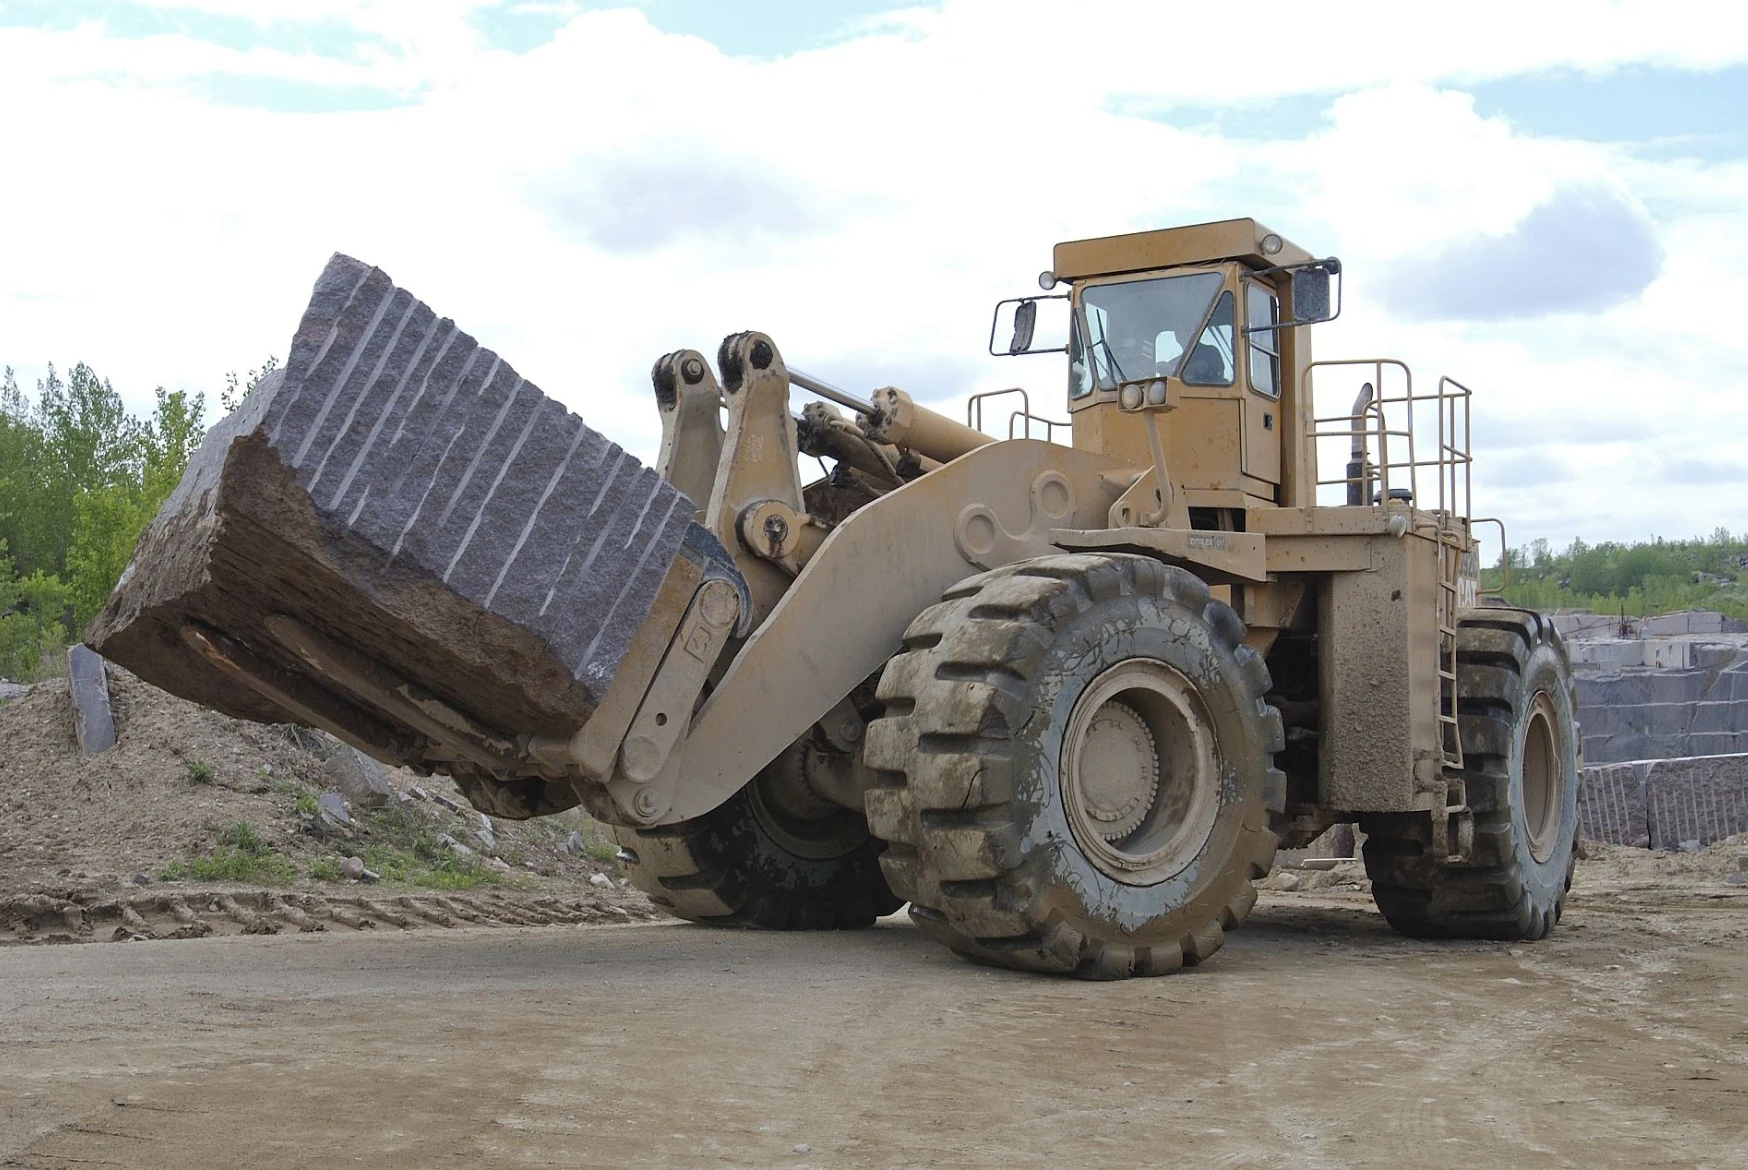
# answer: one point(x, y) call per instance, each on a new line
point(1131, 397)
point(1046, 280)
point(1156, 393)
point(1271, 244)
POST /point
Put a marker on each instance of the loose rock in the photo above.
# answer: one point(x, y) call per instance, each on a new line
point(92, 722)
point(359, 778)
point(601, 880)
point(333, 808)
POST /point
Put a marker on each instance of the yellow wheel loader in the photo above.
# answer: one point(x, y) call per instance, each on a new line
point(1064, 698)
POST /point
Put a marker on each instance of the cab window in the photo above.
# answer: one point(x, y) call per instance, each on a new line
point(1210, 360)
point(1082, 377)
point(1262, 312)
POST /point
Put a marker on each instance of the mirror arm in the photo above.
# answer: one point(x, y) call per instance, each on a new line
point(995, 324)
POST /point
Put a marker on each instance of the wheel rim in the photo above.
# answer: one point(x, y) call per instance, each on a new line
point(799, 822)
point(1138, 772)
point(1544, 779)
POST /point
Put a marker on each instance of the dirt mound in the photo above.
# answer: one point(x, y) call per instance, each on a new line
point(198, 823)
point(1628, 865)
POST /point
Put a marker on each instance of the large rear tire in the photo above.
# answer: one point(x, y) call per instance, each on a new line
point(1074, 760)
point(1516, 708)
point(752, 861)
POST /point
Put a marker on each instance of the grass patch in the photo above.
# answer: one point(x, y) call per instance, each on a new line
point(405, 848)
point(239, 855)
point(605, 852)
point(199, 772)
point(325, 869)
point(461, 875)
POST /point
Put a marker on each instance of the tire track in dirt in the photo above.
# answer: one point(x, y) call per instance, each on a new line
point(77, 916)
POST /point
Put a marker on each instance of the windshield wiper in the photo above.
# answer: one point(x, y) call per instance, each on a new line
point(1116, 366)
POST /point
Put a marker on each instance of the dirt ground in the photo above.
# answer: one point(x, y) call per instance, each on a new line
point(305, 1020)
point(1317, 1038)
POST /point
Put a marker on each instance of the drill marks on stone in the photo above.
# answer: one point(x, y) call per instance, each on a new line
point(426, 329)
point(418, 468)
point(333, 436)
point(539, 510)
point(352, 353)
point(603, 451)
point(502, 408)
point(619, 634)
point(437, 470)
point(327, 303)
point(510, 459)
point(584, 539)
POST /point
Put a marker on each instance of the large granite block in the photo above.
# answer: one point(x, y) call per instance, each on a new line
point(1612, 808)
point(1693, 802)
point(404, 493)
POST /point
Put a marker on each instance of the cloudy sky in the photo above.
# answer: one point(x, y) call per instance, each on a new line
point(1547, 200)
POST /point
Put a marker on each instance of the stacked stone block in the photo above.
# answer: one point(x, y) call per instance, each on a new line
point(1666, 804)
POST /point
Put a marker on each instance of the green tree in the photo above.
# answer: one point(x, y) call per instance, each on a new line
point(23, 524)
point(1591, 572)
point(109, 517)
point(80, 478)
point(90, 444)
point(30, 620)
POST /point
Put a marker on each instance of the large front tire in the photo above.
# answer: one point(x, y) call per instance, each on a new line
point(1075, 762)
point(1516, 708)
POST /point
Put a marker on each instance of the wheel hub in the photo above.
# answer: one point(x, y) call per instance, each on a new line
point(796, 818)
point(1119, 773)
point(1139, 774)
point(1543, 778)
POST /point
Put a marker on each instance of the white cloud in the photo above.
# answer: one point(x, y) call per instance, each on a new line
point(618, 193)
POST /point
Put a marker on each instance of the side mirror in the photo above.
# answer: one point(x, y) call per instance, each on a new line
point(1314, 292)
point(1019, 315)
point(1025, 323)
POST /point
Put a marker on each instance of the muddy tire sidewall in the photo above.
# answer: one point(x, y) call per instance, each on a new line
point(1074, 888)
point(1546, 881)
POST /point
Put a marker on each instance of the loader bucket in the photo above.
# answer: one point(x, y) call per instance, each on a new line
point(400, 540)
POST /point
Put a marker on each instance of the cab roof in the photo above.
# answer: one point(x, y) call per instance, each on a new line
point(1202, 243)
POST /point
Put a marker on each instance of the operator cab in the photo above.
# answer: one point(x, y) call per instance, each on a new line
point(1190, 323)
